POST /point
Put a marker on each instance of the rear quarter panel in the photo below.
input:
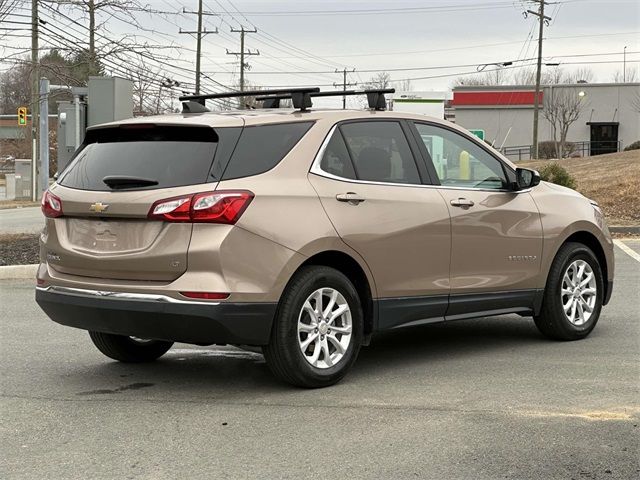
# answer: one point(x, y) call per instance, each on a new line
point(287, 210)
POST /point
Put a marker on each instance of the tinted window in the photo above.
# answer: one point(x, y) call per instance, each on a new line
point(170, 156)
point(380, 152)
point(459, 161)
point(261, 148)
point(336, 158)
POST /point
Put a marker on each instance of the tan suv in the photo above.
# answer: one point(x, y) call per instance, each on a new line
point(305, 231)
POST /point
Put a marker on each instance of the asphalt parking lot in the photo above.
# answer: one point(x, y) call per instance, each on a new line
point(21, 220)
point(475, 399)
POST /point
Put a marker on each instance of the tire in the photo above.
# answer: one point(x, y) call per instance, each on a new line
point(298, 323)
point(553, 322)
point(129, 350)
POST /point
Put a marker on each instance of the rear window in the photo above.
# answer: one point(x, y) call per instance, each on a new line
point(262, 147)
point(165, 156)
point(143, 157)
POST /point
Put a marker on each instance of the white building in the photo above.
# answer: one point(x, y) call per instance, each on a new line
point(609, 115)
point(426, 103)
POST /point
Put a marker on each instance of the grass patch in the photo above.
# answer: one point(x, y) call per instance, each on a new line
point(612, 180)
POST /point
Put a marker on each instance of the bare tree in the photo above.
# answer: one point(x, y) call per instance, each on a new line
point(380, 80)
point(562, 107)
point(153, 94)
point(630, 76)
point(527, 76)
point(635, 102)
point(6, 8)
point(580, 75)
point(406, 85)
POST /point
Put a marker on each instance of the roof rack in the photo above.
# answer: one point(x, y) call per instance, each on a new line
point(300, 96)
point(375, 97)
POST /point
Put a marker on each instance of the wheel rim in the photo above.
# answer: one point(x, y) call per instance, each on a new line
point(579, 292)
point(324, 328)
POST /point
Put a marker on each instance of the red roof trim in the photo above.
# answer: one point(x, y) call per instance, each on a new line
point(502, 97)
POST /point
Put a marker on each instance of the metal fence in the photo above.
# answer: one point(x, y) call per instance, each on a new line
point(7, 165)
point(576, 149)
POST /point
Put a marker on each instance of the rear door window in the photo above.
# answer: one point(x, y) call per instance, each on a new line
point(336, 159)
point(262, 147)
point(168, 156)
point(380, 152)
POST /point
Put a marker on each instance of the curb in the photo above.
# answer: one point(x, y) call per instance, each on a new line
point(18, 271)
point(617, 229)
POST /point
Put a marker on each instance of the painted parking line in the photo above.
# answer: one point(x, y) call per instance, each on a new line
point(620, 244)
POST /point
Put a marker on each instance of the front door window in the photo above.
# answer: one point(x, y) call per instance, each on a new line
point(459, 162)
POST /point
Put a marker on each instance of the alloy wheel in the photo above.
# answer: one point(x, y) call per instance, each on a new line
point(324, 328)
point(579, 292)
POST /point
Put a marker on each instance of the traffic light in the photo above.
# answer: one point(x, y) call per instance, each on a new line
point(22, 116)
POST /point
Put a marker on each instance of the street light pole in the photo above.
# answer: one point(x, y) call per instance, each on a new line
point(624, 65)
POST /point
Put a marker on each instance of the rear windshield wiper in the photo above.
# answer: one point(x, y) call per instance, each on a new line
point(116, 182)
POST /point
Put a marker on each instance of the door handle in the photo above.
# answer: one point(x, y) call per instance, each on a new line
point(462, 202)
point(349, 197)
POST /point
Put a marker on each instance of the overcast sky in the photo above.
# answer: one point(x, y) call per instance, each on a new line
point(411, 38)
point(387, 35)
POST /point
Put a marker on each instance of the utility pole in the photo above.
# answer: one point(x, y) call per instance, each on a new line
point(345, 84)
point(91, 7)
point(35, 97)
point(624, 65)
point(199, 33)
point(542, 19)
point(242, 53)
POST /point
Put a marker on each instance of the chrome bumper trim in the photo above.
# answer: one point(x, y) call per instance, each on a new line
point(147, 297)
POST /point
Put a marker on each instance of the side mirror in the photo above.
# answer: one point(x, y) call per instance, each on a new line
point(526, 178)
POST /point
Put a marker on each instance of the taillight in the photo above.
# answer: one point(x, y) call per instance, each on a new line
point(172, 209)
point(219, 207)
point(51, 205)
point(225, 206)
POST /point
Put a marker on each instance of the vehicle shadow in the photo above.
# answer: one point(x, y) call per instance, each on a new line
point(227, 372)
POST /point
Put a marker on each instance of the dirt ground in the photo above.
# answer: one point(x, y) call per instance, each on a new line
point(611, 180)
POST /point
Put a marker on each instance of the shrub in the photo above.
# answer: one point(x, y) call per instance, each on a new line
point(554, 173)
point(633, 146)
point(547, 150)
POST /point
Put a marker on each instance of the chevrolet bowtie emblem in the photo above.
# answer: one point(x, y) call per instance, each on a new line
point(98, 207)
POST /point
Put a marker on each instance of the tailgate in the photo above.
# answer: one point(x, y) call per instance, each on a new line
point(107, 192)
point(119, 242)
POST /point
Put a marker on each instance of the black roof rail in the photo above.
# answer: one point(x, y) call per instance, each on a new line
point(300, 96)
point(375, 97)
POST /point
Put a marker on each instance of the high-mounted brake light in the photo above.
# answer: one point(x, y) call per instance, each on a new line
point(51, 205)
point(224, 206)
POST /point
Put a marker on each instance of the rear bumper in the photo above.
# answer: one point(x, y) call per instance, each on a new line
point(158, 317)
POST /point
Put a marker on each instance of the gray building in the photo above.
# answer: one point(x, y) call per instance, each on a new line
point(609, 115)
